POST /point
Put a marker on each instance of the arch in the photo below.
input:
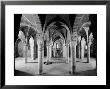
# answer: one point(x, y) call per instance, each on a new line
point(51, 25)
point(56, 18)
point(58, 34)
point(53, 33)
point(86, 24)
point(31, 20)
point(16, 53)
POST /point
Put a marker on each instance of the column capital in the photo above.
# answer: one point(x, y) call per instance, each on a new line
point(86, 29)
point(68, 42)
point(74, 36)
point(83, 41)
point(39, 42)
point(79, 39)
point(47, 43)
point(74, 43)
point(90, 38)
point(39, 36)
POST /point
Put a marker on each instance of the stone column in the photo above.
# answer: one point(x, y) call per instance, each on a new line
point(67, 52)
point(35, 48)
point(73, 57)
point(82, 48)
point(25, 49)
point(43, 50)
point(48, 52)
point(39, 57)
point(88, 53)
point(79, 47)
point(40, 44)
point(32, 47)
point(73, 52)
point(64, 51)
point(79, 50)
point(53, 52)
point(89, 38)
point(88, 48)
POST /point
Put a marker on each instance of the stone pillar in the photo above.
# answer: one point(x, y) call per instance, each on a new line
point(79, 50)
point(82, 48)
point(31, 41)
point(88, 48)
point(73, 57)
point(89, 39)
point(43, 50)
point(25, 49)
point(73, 52)
point(79, 47)
point(39, 57)
point(88, 53)
point(48, 52)
point(35, 48)
point(40, 44)
point(67, 52)
point(64, 51)
point(53, 52)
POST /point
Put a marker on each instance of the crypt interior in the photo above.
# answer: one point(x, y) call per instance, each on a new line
point(55, 44)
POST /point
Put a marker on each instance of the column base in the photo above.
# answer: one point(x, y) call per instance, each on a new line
point(67, 61)
point(72, 73)
point(88, 61)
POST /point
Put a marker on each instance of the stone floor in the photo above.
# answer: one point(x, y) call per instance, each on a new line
point(59, 68)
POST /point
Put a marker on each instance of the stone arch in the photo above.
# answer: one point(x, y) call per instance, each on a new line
point(31, 20)
point(16, 53)
point(82, 31)
point(58, 34)
point(19, 44)
point(62, 25)
point(58, 44)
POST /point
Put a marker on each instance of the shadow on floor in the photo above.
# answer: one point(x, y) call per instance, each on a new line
point(21, 73)
point(68, 73)
point(86, 73)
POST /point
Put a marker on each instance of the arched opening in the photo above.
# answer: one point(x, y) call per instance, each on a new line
point(57, 35)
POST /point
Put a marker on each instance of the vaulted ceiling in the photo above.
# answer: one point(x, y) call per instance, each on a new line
point(54, 23)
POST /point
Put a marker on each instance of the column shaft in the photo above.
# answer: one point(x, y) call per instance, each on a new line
point(88, 53)
point(67, 53)
point(82, 52)
point(48, 53)
point(32, 47)
point(50, 50)
point(43, 51)
point(39, 58)
point(64, 51)
point(73, 60)
point(26, 49)
point(79, 51)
